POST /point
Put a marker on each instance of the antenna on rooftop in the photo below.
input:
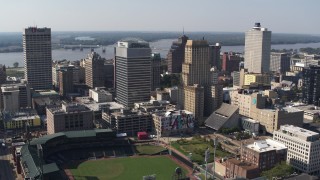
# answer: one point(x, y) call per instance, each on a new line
point(183, 30)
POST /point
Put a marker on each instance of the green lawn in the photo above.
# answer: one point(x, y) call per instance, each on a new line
point(125, 168)
point(197, 146)
point(148, 149)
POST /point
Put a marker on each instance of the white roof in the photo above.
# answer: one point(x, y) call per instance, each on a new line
point(266, 145)
point(297, 130)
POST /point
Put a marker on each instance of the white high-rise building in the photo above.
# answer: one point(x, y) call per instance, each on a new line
point(132, 71)
point(257, 49)
point(303, 148)
point(38, 57)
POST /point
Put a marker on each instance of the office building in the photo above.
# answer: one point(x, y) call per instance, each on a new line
point(236, 168)
point(176, 54)
point(279, 62)
point(94, 70)
point(198, 91)
point(168, 123)
point(132, 71)
point(128, 121)
point(311, 85)
point(66, 81)
point(303, 148)
point(253, 105)
point(63, 65)
point(257, 49)
point(100, 95)
point(155, 71)
point(3, 74)
point(15, 97)
point(37, 57)
point(20, 119)
point(215, 55)
point(230, 62)
point(69, 117)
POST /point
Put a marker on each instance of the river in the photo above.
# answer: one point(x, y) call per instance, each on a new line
point(161, 46)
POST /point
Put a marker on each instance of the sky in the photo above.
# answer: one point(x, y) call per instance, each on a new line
point(280, 16)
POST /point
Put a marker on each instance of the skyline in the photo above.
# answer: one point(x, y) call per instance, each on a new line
point(286, 16)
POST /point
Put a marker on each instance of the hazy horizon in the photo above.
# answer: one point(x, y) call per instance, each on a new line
point(285, 16)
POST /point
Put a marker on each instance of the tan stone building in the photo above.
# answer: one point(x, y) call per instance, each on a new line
point(70, 117)
point(253, 105)
point(199, 94)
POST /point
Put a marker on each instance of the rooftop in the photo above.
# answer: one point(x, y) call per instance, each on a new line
point(94, 106)
point(266, 145)
point(297, 130)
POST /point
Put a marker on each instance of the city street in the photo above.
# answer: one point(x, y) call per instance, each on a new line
point(5, 168)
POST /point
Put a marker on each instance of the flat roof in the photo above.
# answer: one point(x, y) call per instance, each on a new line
point(266, 145)
point(249, 120)
point(297, 130)
point(86, 101)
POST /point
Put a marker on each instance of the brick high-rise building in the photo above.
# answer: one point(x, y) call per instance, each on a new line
point(38, 57)
point(176, 55)
point(132, 71)
point(94, 70)
point(257, 49)
point(230, 62)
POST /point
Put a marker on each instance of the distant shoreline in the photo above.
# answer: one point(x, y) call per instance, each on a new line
point(10, 50)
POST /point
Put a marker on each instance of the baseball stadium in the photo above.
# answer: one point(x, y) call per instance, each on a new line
point(97, 154)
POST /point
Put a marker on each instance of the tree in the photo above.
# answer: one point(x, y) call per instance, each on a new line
point(15, 64)
point(279, 171)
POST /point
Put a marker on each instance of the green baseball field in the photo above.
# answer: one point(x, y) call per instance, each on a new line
point(125, 168)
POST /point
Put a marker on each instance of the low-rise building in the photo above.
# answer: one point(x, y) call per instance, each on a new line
point(152, 105)
point(14, 97)
point(99, 94)
point(236, 168)
point(21, 119)
point(265, 154)
point(69, 117)
point(227, 116)
point(303, 148)
point(128, 121)
point(168, 123)
point(250, 125)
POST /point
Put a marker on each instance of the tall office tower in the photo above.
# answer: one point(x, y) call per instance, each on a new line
point(197, 79)
point(109, 74)
point(155, 71)
point(38, 57)
point(175, 55)
point(132, 71)
point(3, 74)
point(94, 70)
point(65, 81)
point(311, 85)
point(257, 49)
point(215, 55)
point(279, 62)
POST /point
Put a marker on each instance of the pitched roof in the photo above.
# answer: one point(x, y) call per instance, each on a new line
point(219, 117)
